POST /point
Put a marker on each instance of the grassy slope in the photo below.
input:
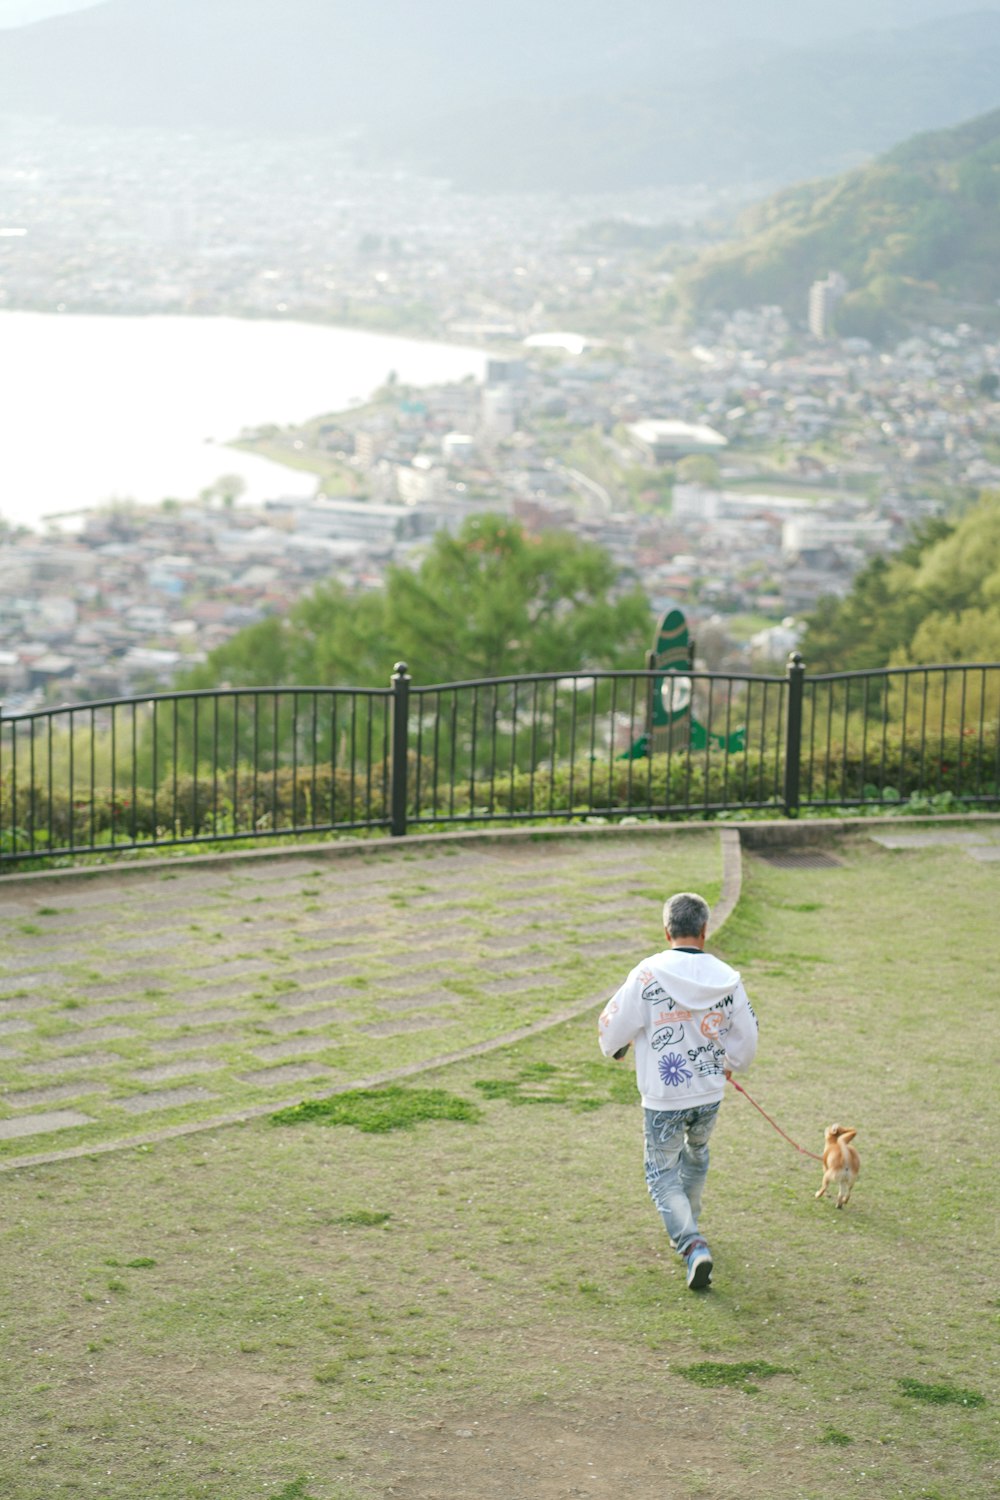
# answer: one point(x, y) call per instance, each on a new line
point(521, 1273)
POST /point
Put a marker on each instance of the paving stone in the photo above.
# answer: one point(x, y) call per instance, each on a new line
point(171, 1045)
point(98, 1034)
point(100, 989)
point(28, 968)
point(8, 1053)
point(28, 1098)
point(28, 1003)
point(82, 898)
point(308, 994)
point(51, 948)
point(10, 982)
point(406, 1023)
point(76, 1063)
point(65, 918)
point(518, 986)
point(196, 993)
point(158, 942)
point(614, 927)
point(200, 1017)
point(441, 912)
point(429, 999)
point(165, 1071)
point(518, 963)
point(277, 877)
point(8, 1028)
point(985, 853)
point(431, 975)
point(931, 839)
point(107, 1012)
point(334, 962)
point(301, 1047)
point(117, 975)
point(248, 968)
point(141, 1104)
point(320, 968)
point(57, 1119)
point(304, 1020)
point(289, 1073)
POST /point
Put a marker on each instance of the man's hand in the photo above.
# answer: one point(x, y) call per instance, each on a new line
point(621, 1051)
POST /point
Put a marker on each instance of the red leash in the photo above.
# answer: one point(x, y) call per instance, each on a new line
point(777, 1127)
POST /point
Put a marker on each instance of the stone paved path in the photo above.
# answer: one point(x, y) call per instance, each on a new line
point(982, 844)
point(182, 993)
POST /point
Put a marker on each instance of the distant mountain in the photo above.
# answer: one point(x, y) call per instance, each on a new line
point(525, 94)
point(916, 235)
point(725, 116)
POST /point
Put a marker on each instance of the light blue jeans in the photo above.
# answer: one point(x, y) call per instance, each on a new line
point(677, 1165)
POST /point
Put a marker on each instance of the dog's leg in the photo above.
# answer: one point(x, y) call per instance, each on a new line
point(827, 1179)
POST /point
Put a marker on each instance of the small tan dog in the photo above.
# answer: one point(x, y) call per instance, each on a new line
point(841, 1163)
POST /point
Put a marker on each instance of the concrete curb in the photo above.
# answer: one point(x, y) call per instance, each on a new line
point(336, 849)
point(750, 834)
point(732, 879)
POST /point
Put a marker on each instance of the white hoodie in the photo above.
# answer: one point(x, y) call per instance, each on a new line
point(690, 1019)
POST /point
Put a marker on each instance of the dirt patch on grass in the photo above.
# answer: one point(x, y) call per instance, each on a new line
point(545, 1452)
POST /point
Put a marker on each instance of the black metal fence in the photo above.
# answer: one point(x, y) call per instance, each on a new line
point(249, 763)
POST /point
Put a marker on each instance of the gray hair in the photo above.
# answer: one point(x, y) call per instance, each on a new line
point(685, 914)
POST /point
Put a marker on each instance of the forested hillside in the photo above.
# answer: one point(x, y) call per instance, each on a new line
point(917, 228)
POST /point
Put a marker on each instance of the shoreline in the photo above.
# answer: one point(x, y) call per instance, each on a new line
point(134, 397)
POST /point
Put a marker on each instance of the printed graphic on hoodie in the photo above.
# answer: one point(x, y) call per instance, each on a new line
point(672, 1070)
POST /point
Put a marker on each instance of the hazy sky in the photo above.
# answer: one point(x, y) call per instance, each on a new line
point(17, 12)
point(824, 19)
point(796, 18)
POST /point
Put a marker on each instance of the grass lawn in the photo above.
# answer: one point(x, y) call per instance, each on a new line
point(486, 1305)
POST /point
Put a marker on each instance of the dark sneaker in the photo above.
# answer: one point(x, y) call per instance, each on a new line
point(699, 1266)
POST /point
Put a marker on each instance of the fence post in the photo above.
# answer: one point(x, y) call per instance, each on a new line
point(793, 734)
point(400, 747)
point(650, 662)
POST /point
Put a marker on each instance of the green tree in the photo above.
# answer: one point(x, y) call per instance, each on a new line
point(488, 602)
point(937, 600)
point(863, 629)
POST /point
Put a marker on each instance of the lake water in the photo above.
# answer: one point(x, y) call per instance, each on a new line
point(97, 407)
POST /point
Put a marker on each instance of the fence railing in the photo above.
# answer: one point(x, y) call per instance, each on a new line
point(248, 763)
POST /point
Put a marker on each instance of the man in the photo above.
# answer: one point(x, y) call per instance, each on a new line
point(692, 1025)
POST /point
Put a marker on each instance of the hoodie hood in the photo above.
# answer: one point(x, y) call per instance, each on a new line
point(691, 981)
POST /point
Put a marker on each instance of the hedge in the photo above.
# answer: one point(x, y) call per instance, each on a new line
point(287, 800)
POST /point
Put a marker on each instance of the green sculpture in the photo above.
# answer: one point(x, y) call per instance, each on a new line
point(669, 719)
